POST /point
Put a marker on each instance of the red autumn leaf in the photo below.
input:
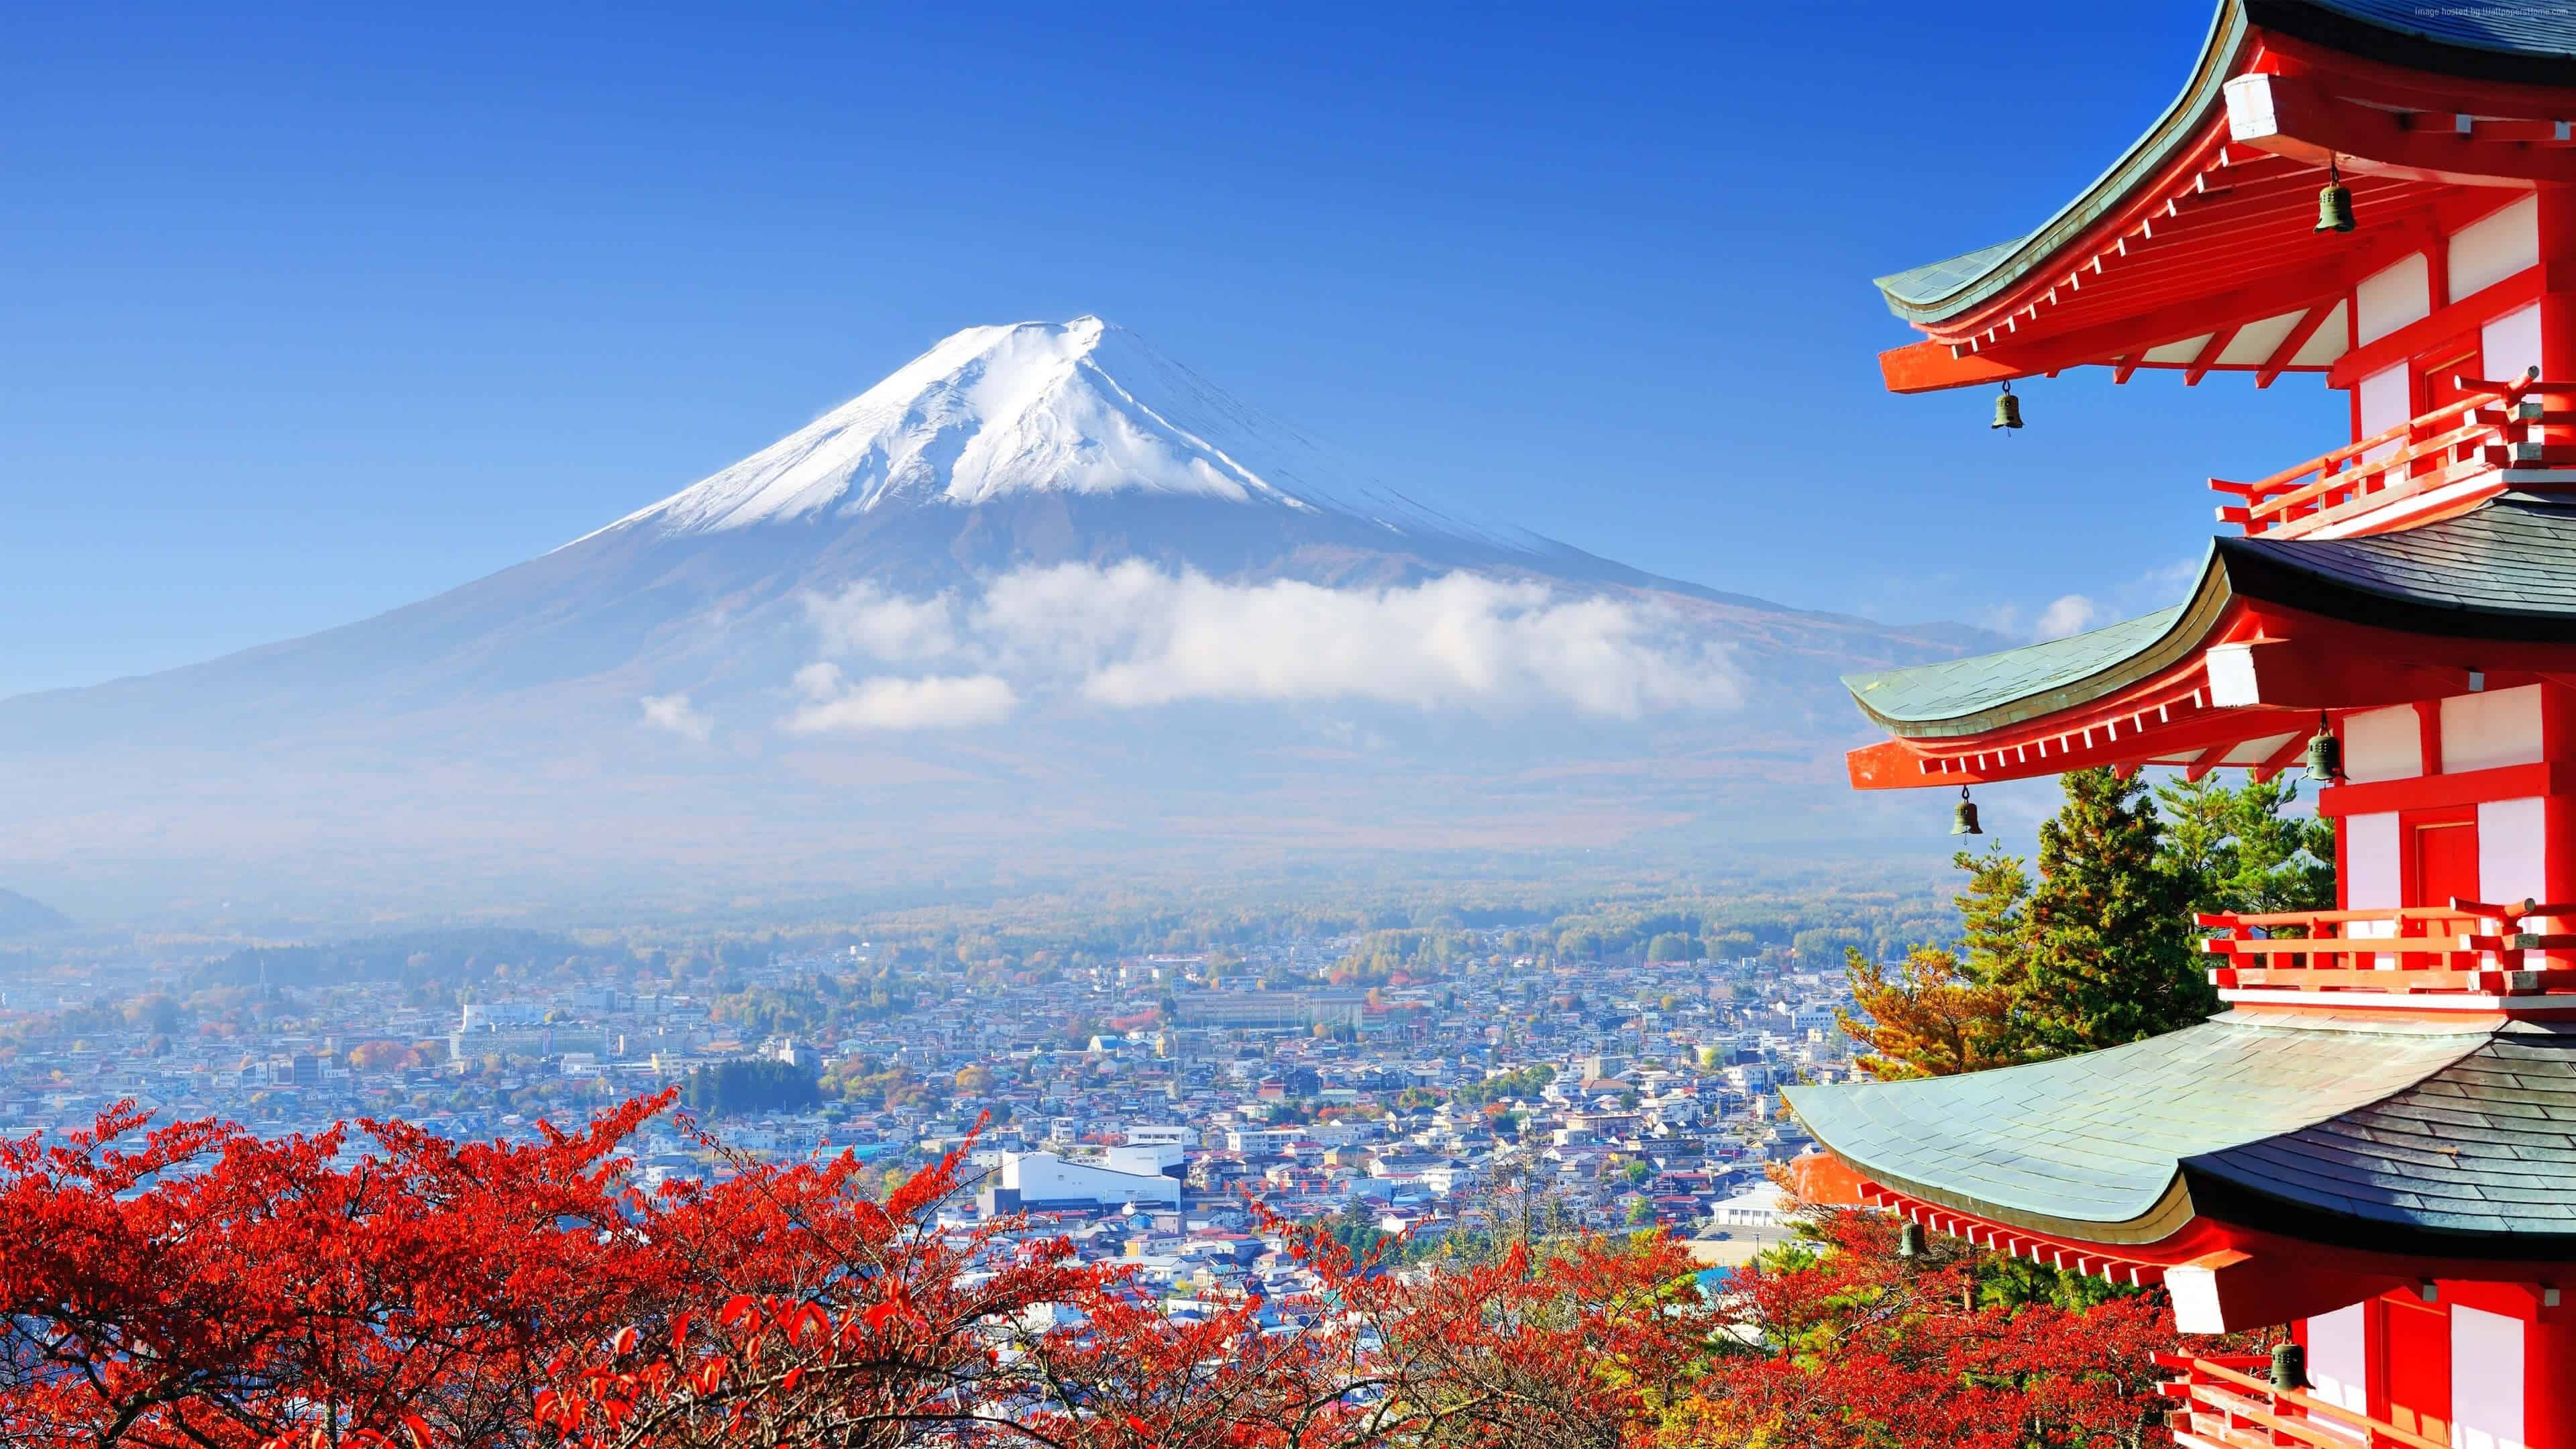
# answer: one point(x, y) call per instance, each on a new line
point(251, 1287)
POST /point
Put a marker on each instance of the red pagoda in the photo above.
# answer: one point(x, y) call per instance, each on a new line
point(2375, 1142)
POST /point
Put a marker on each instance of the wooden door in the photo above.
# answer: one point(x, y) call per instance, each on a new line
point(2440, 372)
point(2446, 862)
point(2418, 1349)
point(2437, 377)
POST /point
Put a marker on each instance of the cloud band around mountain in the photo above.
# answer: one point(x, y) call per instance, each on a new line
point(890, 702)
point(1130, 636)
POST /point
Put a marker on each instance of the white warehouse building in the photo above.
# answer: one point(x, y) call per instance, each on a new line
point(1045, 1180)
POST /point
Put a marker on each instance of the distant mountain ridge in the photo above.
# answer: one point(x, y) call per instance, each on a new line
point(20, 916)
point(1008, 583)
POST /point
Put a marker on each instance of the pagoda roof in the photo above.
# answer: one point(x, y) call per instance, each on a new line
point(2064, 672)
point(2386, 1134)
point(1938, 291)
point(2100, 281)
point(2504, 570)
point(2526, 41)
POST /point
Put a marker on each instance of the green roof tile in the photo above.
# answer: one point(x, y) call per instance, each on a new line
point(2372, 1125)
point(2527, 41)
point(2505, 570)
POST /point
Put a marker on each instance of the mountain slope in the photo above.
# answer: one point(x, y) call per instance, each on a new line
point(1039, 573)
point(20, 916)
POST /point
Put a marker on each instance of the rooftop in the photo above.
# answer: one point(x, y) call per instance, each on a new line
point(2221, 188)
point(2453, 1139)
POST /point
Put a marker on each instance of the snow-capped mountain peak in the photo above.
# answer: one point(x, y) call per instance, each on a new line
point(1075, 407)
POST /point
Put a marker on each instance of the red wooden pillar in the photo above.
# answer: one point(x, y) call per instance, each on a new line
point(2549, 1379)
point(2558, 812)
point(2557, 284)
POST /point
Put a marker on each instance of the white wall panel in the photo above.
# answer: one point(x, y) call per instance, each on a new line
point(2384, 405)
point(2331, 340)
point(2513, 851)
point(2383, 744)
point(2370, 855)
point(2187, 350)
point(2482, 731)
point(2486, 1379)
point(2254, 342)
point(2510, 344)
point(2338, 1359)
point(2389, 299)
point(2495, 247)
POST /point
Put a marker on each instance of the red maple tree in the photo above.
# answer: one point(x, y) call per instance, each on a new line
point(194, 1287)
point(1854, 1345)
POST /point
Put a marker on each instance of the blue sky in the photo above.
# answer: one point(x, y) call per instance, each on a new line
point(319, 311)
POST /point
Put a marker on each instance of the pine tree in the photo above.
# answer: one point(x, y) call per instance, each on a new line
point(2101, 949)
point(1942, 1015)
point(2111, 945)
point(1933, 1020)
point(2243, 850)
point(1994, 919)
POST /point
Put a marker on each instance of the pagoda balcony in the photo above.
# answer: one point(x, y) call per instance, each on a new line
point(2495, 435)
point(2465, 947)
point(2227, 1404)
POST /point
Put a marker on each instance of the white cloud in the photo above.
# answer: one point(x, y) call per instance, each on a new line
point(1131, 636)
point(673, 712)
point(2170, 578)
point(866, 622)
point(2068, 614)
point(1134, 636)
point(889, 702)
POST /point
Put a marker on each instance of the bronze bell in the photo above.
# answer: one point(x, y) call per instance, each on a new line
point(2325, 755)
point(2007, 409)
point(2334, 203)
point(2334, 208)
point(2289, 1367)
point(1963, 816)
point(1909, 1240)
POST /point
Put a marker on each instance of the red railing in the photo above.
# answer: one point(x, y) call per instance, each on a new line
point(2465, 946)
point(2227, 1402)
point(2494, 425)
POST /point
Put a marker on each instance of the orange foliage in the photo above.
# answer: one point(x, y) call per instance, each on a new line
point(200, 1289)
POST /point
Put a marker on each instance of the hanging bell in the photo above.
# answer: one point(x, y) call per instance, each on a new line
point(2325, 755)
point(1963, 816)
point(2007, 409)
point(2334, 203)
point(2334, 208)
point(1909, 1240)
point(2289, 1367)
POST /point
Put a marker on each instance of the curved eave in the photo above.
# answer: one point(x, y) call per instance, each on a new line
point(2398, 33)
point(2338, 1128)
point(2504, 572)
point(2220, 1199)
point(2522, 43)
point(2164, 1220)
point(1930, 295)
point(2189, 632)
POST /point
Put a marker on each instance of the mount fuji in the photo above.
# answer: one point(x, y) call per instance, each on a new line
point(1043, 598)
